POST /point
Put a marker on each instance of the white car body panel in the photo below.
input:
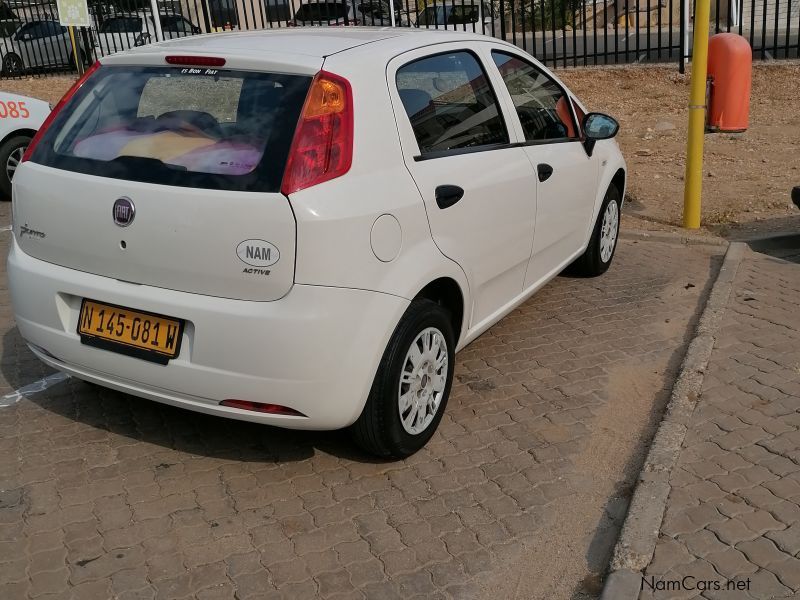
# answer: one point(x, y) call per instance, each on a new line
point(312, 338)
point(9, 125)
point(179, 240)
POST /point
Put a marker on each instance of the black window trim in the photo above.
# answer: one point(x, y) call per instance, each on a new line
point(494, 49)
point(469, 149)
point(491, 148)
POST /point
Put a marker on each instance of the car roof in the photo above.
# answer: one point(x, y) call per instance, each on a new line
point(309, 41)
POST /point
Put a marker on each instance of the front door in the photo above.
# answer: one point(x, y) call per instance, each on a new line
point(479, 189)
point(567, 174)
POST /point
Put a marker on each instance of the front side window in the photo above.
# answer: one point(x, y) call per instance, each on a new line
point(187, 127)
point(450, 103)
point(542, 106)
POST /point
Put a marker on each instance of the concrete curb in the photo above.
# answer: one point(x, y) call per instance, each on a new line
point(673, 237)
point(637, 541)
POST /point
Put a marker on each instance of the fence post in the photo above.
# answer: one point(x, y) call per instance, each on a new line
point(682, 41)
point(157, 20)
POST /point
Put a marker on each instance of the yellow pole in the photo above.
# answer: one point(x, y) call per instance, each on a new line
point(78, 64)
point(693, 189)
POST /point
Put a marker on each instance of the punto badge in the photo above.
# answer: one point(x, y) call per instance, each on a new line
point(124, 211)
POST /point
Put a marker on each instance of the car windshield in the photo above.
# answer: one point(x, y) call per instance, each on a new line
point(194, 127)
point(122, 25)
point(321, 11)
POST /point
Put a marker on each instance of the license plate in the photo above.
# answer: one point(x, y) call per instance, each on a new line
point(133, 332)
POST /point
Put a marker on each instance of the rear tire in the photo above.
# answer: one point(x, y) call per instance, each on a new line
point(603, 244)
point(10, 156)
point(412, 385)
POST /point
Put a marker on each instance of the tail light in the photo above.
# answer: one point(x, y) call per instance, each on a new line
point(53, 113)
point(262, 407)
point(322, 148)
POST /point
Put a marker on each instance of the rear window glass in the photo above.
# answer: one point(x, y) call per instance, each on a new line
point(321, 11)
point(122, 25)
point(179, 126)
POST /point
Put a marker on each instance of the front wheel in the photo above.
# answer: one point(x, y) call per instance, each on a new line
point(600, 251)
point(412, 385)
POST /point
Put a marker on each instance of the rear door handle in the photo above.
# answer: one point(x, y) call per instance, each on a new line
point(544, 171)
point(447, 195)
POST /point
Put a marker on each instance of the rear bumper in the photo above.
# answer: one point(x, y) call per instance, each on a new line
point(316, 350)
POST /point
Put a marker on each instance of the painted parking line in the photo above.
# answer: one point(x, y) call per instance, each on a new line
point(32, 388)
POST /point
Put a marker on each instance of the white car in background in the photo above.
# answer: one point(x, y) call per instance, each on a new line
point(125, 31)
point(20, 118)
point(300, 227)
point(40, 44)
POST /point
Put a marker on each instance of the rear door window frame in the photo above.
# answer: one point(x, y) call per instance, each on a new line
point(400, 111)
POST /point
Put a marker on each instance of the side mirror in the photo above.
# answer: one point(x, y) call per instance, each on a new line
point(596, 127)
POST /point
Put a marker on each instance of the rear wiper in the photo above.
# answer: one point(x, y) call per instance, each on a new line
point(145, 162)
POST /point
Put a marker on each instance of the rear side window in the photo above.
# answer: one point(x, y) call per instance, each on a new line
point(204, 128)
point(321, 11)
point(122, 25)
point(450, 103)
point(544, 110)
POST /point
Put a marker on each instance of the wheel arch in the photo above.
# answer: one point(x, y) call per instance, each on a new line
point(17, 132)
point(446, 292)
point(619, 181)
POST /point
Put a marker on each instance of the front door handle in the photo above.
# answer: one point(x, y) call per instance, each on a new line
point(447, 195)
point(544, 171)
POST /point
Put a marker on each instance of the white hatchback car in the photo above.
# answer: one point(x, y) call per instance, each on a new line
point(301, 228)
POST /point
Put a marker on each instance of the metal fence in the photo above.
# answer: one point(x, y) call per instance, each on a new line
point(560, 33)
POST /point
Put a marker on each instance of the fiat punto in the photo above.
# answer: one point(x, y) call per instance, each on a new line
point(301, 228)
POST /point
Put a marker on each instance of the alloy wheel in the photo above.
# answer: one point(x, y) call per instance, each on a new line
point(423, 380)
point(609, 231)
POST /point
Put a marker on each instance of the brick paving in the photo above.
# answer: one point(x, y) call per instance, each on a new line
point(104, 495)
point(734, 509)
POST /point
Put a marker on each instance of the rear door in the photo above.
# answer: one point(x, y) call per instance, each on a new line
point(567, 176)
point(479, 190)
point(170, 177)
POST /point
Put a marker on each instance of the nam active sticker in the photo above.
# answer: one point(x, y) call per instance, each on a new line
point(258, 253)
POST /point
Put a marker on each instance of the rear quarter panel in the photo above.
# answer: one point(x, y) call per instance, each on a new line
point(335, 219)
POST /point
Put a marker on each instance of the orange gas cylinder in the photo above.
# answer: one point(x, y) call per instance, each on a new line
point(730, 67)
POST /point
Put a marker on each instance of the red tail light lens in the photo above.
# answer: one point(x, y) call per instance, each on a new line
point(261, 407)
point(53, 113)
point(322, 148)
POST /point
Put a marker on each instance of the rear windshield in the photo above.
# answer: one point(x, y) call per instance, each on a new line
point(191, 127)
point(321, 11)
